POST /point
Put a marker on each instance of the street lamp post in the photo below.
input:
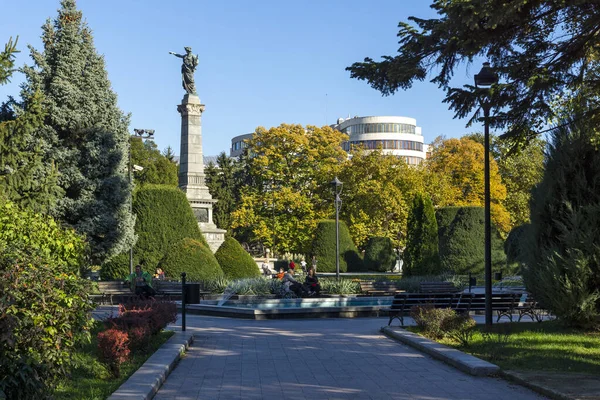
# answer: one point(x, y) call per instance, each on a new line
point(337, 188)
point(142, 134)
point(485, 79)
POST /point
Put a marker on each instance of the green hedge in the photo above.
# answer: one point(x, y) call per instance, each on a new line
point(192, 257)
point(323, 247)
point(461, 246)
point(163, 217)
point(235, 261)
point(379, 254)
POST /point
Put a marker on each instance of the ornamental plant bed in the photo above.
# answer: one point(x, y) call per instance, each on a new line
point(92, 379)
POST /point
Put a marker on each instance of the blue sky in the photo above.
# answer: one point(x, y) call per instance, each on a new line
point(262, 63)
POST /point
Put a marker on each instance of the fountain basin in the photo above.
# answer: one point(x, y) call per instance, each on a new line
point(325, 307)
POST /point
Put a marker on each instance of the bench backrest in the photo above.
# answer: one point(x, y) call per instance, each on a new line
point(500, 301)
point(406, 301)
point(375, 286)
point(437, 287)
point(112, 286)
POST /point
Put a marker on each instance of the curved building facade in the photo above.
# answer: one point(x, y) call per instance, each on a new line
point(238, 145)
point(399, 136)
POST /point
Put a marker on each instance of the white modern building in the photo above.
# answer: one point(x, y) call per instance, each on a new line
point(238, 145)
point(399, 136)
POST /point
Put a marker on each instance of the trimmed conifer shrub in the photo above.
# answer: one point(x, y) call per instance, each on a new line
point(235, 262)
point(461, 248)
point(323, 247)
point(192, 257)
point(163, 217)
point(563, 257)
point(515, 247)
point(379, 254)
point(421, 255)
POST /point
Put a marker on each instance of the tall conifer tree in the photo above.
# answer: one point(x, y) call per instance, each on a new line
point(86, 133)
point(25, 177)
point(421, 256)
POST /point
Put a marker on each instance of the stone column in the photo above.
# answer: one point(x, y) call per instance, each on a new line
point(191, 170)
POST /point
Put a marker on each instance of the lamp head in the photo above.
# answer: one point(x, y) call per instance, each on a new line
point(337, 185)
point(486, 77)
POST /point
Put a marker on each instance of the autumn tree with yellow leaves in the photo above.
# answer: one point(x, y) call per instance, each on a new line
point(455, 177)
point(290, 167)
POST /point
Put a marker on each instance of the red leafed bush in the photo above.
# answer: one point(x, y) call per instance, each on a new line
point(142, 319)
point(113, 349)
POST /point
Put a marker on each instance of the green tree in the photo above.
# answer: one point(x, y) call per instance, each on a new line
point(377, 191)
point(25, 177)
point(290, 167)
point(421, 255)
point(563, 267)
point(85, 133)
point(158, 168)
point(540, 49)
point(223, 181)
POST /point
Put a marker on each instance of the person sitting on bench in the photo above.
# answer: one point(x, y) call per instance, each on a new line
point(294, 285)
point(140, 282)
point(312, 283)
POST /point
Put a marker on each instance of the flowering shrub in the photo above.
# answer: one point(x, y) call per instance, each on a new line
point(113, 349)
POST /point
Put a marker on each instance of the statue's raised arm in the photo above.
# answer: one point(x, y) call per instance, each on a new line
point(190, 62)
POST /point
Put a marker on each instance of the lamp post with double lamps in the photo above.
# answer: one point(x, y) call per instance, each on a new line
point(484, 80)
point(337, 189)
point(147, 134)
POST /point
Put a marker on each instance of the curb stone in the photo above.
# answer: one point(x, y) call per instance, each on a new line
point(541, 389)
point(467, 363)
point(145, 382)
point(464, 362)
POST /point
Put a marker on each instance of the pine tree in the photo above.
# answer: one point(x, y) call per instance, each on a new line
point(86, 133)
point(421, 256)
point(563, 257)
point(223, 186)
point(25, 177)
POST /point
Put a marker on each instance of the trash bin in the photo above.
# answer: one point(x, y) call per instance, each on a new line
point(192, 293)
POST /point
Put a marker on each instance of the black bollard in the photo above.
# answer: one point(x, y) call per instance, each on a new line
point(183, 301)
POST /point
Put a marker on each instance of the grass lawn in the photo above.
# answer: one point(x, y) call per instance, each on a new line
point(545, 346)
point(91, 379)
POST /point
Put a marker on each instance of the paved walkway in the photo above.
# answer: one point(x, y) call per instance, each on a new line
point(316, 359)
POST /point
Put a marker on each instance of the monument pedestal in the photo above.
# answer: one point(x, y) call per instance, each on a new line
point(191, 170)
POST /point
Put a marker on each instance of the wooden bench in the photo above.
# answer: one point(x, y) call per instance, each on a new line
point(528, 306)
point(438, 287)
point(171, 290)
point(504, 304)
point(404, 302)
point(111, 290)
point(381, 288)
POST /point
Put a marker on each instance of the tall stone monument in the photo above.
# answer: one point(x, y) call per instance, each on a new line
point(191, 162)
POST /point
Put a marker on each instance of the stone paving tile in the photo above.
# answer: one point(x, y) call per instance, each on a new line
point(316, 359)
